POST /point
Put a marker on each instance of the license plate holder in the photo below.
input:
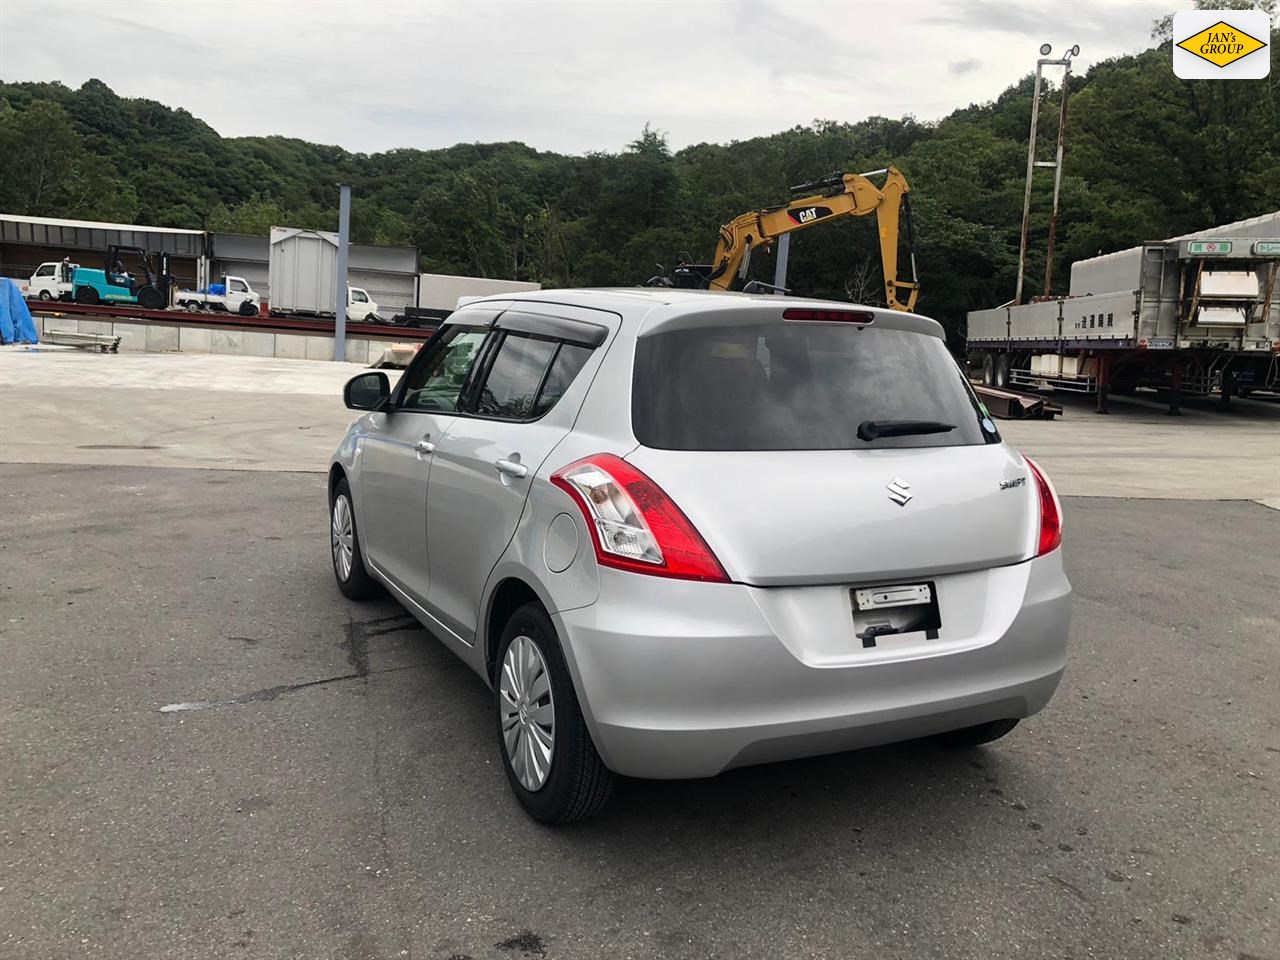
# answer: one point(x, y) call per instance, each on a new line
point(892, 609)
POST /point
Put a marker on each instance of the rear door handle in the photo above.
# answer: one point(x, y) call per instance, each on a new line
point(512, 468)
point(424, 446)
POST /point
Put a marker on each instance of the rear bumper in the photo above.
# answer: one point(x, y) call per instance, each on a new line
point(680, 679)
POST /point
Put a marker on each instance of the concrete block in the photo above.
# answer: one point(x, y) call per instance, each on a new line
point(357, 351)
point(319, 348)
point(90, 326)
point(162, 339)
point(133, 336)
point(258, 343)
point(291, 346)
point(195, 339)
point(227, 341)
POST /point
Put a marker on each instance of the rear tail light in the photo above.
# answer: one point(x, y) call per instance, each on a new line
point(810, 315)
point(1050, 512)
point(634, 525)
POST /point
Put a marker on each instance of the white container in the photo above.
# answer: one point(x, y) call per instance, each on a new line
point(303, 269)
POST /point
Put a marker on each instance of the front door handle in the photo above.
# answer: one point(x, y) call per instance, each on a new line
point(511, 468)
point(424, 446)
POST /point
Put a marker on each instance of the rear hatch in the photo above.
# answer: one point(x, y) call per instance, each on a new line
point(777, 439)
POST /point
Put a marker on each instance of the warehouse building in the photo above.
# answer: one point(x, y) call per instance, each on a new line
point(27, 242)
point(390, 274)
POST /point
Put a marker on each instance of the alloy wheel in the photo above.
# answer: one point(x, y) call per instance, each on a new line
point(342, 538)
point(528, 713)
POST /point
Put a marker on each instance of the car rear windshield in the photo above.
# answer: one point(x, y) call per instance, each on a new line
point(798, 386)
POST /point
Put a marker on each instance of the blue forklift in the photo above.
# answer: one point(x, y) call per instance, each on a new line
point(116, 284)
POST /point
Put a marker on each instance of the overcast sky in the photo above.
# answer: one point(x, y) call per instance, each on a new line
point(562, 76)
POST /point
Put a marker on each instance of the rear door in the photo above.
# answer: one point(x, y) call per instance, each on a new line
point(396, 454)
point(752, 425)
point(485, 463)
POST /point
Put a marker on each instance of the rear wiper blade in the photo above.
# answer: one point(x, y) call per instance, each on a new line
point(875, 429)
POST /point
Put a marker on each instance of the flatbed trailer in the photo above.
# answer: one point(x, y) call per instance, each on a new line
point(1198, 314)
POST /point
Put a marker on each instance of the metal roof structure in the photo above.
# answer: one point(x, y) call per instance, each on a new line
point(91, 224)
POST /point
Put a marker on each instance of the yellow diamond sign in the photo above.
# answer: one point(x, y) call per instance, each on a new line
point(1221, 44)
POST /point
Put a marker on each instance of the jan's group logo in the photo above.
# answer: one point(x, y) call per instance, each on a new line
point(1221, 44)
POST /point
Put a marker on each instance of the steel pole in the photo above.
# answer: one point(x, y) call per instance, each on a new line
point(1031, 167)
point(1057, 178)
point(340, 295)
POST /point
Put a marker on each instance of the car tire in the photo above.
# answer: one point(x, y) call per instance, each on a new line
point(345, 548)
point(574, 784)
point(86, 295)
point(46, 296)
point(978, 734)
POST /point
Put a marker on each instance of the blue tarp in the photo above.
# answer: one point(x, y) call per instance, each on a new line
point(16, 325)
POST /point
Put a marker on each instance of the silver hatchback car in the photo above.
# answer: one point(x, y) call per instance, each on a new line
point(679, 532)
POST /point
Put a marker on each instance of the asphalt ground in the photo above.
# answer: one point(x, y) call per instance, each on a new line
point(333, 788)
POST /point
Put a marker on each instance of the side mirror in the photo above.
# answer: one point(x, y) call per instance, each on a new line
point(369, 391)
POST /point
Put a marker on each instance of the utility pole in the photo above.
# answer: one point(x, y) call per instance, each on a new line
point(340, 296)
point(1032, 163)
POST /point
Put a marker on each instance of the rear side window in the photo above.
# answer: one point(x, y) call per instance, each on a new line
point(797, 386)
point(570, 358)
point(512, 383)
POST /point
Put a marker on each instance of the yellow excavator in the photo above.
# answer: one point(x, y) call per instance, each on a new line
point(839, 195)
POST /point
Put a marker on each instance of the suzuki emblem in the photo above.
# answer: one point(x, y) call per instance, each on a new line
point(899, 491)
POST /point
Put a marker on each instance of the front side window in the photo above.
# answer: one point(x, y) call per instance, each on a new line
point(359, 296)
point(45, 271)
point(238, 286)
point(512, 383)
point(435, 383)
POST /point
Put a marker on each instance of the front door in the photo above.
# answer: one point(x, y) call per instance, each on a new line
point(396, 456)
point(486, 461)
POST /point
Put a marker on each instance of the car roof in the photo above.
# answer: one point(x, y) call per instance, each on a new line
point(641, 301)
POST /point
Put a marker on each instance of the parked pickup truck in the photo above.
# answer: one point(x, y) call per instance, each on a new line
point(230, 294)
point(52, 280)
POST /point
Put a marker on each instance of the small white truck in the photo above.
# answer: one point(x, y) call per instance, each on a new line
point(52, 280)
point(360, 306)
point(230, 294)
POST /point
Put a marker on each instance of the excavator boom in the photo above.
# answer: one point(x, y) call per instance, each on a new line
point(845, 195)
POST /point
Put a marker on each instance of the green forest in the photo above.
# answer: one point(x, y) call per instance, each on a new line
point(1148, 156)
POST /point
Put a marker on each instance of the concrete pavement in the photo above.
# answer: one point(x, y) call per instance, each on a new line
point(339, 795)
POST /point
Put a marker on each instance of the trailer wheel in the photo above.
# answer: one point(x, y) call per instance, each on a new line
point(988, 370)
point(1002, 370)
point(86, 295)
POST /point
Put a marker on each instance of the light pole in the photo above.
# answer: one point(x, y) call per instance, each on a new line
point(1044, 61)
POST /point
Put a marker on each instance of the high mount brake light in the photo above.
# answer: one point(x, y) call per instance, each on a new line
point(634, 525)
point(1050, 512)
point(810, 315)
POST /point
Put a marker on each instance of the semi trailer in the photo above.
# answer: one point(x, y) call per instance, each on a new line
point(1197, 314)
